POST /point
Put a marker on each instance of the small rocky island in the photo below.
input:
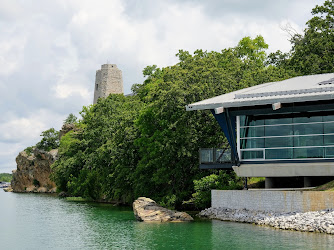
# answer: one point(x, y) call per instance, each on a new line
point(33, 172)
point(146, 209)
point(34, 168)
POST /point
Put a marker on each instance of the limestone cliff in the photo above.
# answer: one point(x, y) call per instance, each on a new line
point(34, 169)
point(67, 128)
point(33, 172)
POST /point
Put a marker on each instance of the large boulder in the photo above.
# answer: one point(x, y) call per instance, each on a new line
point(146, 209)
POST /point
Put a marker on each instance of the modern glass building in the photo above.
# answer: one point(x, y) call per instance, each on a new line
point(286, 137)
point(277, 129)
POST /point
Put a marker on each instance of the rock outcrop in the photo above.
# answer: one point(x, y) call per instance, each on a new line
point(67, 127)
point(33, 172)
point(146, 209)
point(8, 189)
point(34, 168)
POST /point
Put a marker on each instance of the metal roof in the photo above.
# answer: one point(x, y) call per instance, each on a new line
point(297, 89)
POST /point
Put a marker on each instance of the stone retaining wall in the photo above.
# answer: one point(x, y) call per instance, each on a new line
point(277, 201)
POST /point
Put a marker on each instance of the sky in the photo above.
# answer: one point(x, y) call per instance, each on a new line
point(51, 49)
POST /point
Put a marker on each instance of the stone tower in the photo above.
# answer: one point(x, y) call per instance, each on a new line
point(108, 81)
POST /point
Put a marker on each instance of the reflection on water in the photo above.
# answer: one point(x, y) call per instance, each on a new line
point(37, 221)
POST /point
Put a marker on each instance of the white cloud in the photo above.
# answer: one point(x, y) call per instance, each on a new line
point(17, 129)
point(11, 50)
point(17, 133)
point(65, 91)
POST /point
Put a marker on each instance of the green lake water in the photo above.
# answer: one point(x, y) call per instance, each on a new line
point(39, 221)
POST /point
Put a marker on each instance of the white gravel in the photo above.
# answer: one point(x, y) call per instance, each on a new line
point(315, 221)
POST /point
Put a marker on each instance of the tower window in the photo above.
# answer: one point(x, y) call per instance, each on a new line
point(97, 86)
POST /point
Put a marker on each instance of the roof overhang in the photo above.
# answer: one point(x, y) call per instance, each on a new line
point(294, 90)
point(310, 98)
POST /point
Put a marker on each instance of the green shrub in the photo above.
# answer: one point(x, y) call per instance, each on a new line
point(223, 181)
point(29, 150)
point(49, 141)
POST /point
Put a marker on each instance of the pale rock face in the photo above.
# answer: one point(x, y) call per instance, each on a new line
point(32, 168)
point(67, 128)
point(146, 209)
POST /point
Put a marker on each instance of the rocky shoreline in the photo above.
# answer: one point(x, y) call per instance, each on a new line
point(4, 184)
point(315, 221)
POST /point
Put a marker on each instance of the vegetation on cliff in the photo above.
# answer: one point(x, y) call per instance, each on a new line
point(50, 140)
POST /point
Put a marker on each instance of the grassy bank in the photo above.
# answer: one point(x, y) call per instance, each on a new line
point(329, 186)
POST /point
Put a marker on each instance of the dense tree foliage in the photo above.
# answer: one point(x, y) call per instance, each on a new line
point(147, 144)
point(99, 159)
point(221, 181)
point(50, 140)
point(313, 51)
point(70, 119)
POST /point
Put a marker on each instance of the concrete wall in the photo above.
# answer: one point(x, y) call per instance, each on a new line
point(278, 201)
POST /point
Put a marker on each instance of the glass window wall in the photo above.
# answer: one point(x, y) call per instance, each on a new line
point(278, 130)
point(286, 153)
point(254, 154)
point(291, 136)
point(274, 142)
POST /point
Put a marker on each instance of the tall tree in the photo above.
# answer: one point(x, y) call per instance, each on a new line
point(313, 52)
point(70, 119)
point(49, 141)
point(252, 50)
point(98, 160)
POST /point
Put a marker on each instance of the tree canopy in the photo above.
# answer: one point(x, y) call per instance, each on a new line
point(70, 119)
point(50, 140)
point(313, 51)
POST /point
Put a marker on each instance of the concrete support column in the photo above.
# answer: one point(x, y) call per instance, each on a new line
point(270, 182)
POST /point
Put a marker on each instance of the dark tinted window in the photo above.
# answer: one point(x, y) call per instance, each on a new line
point(286, 153)
point(252, 154)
